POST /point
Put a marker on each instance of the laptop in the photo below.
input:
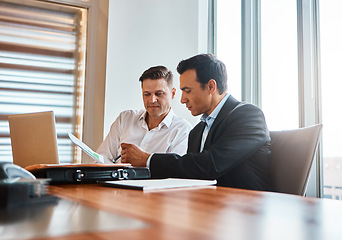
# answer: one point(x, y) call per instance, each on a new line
point(33, 138)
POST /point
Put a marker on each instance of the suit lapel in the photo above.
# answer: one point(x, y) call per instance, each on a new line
point(226, 109)
point(195, 137)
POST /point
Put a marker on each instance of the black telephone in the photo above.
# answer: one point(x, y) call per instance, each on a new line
point(12, 171)
point(19, 187)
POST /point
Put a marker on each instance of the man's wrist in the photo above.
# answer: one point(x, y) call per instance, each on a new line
point(149, 160)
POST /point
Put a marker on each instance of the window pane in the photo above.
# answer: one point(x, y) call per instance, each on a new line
point(331, 82)
point(229, 42)
point(279, 73)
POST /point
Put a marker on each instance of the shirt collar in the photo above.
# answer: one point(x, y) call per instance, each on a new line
point(166, 121)
point(213, 114)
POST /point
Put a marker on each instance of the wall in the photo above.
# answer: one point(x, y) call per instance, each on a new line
point(146, 33)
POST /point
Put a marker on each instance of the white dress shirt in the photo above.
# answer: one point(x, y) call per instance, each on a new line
point(171, 135)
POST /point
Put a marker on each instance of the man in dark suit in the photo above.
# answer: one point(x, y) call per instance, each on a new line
point(231, 143)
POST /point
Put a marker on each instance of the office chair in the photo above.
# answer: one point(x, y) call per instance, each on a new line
point(292, 153)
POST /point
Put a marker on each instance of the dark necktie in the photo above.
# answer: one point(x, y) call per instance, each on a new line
point(202, 125)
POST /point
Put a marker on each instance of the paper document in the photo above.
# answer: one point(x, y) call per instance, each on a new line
point(151, 184)
point(97, 157)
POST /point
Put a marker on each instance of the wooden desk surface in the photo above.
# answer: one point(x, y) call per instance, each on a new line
point(210, 213)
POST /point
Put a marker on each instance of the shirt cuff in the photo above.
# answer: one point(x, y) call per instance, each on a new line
point(149, 160)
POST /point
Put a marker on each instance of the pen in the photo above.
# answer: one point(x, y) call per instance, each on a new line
point(115, 159)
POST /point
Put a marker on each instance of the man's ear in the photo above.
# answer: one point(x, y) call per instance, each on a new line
point(173, 93)
point(211, 85)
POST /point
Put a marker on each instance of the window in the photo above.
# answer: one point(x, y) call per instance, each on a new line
point(331, 51)
point(42, 59)
point(229, 42)
point(281, 64)
point(279, 74)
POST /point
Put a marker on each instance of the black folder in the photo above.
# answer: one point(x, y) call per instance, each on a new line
point(87, 173)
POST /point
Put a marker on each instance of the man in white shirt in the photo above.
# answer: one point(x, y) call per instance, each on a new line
point(156, 129)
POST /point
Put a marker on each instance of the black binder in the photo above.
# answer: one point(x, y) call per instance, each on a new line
point(87, 173)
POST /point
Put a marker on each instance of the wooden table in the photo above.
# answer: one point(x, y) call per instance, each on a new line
point(210, 213)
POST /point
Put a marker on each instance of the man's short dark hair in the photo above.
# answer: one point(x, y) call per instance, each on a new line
point(207, 67)
point(156, 73)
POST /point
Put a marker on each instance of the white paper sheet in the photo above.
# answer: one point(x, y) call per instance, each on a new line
point(94, 155)
point(151, 184)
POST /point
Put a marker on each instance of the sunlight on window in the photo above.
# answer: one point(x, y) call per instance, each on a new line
point(229, 42)
point(279, 73)
point(331, 74)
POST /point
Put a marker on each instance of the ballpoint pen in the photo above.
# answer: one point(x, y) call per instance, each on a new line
point(115, 159)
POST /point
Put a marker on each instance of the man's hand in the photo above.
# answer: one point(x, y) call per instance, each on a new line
point(133, 155)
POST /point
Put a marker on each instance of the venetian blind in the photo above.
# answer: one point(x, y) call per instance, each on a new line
point(42, 52)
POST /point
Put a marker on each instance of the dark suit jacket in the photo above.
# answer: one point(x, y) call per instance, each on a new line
point(236, 152)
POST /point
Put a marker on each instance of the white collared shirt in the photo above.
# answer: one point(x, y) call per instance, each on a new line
point(171, 135)
point(209, 120)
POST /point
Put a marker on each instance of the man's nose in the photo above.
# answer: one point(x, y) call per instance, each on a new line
point(153, 98)
point(183, 99)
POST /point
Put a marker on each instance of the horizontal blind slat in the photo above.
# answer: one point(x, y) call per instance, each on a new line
point(11, 47)
point(4, 117)
point(33, 68)
point(19, 48)
point(38, 24)
point(28, 13)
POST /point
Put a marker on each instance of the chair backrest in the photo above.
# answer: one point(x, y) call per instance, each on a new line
point(292, 154)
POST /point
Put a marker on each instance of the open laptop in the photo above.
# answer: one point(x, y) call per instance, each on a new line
point(33, 138)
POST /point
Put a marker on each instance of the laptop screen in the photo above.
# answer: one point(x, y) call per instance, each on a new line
point(33, 138)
